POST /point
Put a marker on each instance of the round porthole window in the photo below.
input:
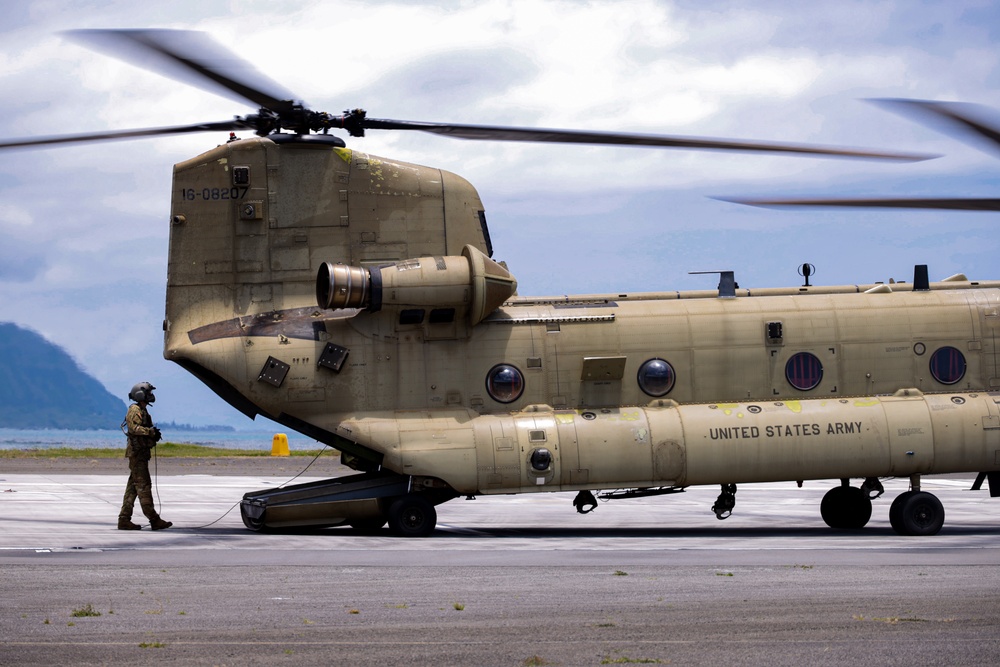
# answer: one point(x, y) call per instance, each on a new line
point(504, 383)
point(804, 371)
point(947, 365)
point(656, 377)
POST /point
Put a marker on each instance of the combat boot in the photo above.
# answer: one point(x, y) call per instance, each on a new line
point(160, 524)
point(126, 524)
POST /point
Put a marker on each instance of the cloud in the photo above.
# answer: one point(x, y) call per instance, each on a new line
point(83, 230)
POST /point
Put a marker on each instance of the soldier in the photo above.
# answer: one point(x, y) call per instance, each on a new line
point(142, 437)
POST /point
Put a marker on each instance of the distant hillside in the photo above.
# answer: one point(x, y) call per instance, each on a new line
point(41, 386)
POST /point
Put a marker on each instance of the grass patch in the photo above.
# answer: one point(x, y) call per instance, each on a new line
point(621, 573)
point(163, 450)
point(458, 606)
point(152, 645)
point(86, 610)
point(625, 660)
point(535, 661)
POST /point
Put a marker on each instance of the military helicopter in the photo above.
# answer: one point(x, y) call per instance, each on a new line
point(355, 299)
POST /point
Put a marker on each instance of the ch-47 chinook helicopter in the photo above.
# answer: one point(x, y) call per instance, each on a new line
point(355, 299)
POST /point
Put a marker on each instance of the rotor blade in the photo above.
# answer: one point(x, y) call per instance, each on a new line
point(968, 119)
point(945, 203)
point(223, 126)
point(179, 53)
point(501, 133)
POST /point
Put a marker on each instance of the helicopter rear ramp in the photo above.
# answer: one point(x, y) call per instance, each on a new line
point(355, 499)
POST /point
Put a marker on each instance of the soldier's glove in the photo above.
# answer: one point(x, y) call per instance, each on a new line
point(157, 436)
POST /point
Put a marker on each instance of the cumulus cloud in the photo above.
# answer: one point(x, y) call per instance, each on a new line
point(85, 228)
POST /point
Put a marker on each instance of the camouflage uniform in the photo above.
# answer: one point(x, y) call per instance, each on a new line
point(141, 439)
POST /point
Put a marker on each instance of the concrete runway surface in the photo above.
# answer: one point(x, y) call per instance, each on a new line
point(512, 580)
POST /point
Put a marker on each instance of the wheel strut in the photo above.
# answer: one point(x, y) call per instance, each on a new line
point(725, 503)
point(585, 502)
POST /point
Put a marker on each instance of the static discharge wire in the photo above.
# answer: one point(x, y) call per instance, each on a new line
point(289, 481)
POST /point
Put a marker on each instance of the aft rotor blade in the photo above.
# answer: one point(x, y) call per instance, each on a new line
point(543, 135)
point(970, 120)
point(180, 53)
point(223, 126)
point(944, 203)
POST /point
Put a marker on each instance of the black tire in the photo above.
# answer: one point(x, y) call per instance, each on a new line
point(895, 513)
point(846, 508)
point(368, 526)
point(921, 514)
point(412, 516)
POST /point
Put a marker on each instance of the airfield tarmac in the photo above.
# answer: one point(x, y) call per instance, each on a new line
point(511, 580)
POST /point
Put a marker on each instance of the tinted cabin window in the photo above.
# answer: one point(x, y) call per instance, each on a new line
point(656, 377)
point(948, 365)
point(504, 383)
point(804, 371)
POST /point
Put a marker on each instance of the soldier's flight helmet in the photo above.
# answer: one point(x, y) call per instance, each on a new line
point(142, 393)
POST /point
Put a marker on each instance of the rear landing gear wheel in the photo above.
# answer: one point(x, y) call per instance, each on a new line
point(846, 508)
point(895, 520)
point(916, 513)
point(412, 516)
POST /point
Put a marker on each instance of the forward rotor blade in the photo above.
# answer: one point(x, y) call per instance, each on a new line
point(944, 203)
point(968, 119)
point(223, 126)
point(501, 133)
point(181, 53)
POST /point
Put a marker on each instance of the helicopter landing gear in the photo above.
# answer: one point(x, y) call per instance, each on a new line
point(846, 507)
point(412, 516)
point(872, 488)
point(253, 516)
point(585, 502)
point(725, 503)
point(916, 512)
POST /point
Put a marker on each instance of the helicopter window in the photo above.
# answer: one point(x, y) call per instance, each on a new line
point(442, 315)
point(504, 383)
point(656, 377)
point(411, 316)
point(804, 371)
point(947, 365)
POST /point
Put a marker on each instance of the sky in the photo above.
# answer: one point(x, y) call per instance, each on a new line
point(83, 229)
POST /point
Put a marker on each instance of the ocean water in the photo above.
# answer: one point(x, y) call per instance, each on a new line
point(46, 439)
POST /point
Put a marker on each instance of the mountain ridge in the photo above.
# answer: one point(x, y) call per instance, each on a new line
point(42, 386)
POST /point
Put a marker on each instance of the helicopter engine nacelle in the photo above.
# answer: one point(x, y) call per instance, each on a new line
point(473, 284)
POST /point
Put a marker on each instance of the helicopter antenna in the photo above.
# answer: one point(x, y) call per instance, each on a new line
point(806, 270)
point(727, 282)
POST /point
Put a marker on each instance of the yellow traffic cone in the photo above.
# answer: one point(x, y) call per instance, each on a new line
point(279, 445)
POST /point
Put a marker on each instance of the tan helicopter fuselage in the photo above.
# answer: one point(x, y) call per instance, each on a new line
point(431, 367)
